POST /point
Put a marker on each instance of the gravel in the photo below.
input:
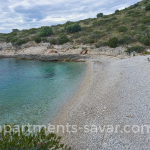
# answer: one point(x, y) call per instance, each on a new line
point(114, 92)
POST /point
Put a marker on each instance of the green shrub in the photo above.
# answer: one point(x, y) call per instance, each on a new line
point(117, 11)
point(142, 39)
point(125, 40)
point(146, 42)
point(46, 31)
point(91, 41)
point(63, 39)
point(122, 29)
point(147, 8)
point(68, 23)
point(113, 42)
point(27, 141)
point(14, 40)
point(134, 6)
point(21, 41)
point(145, 1)
point(53, 41)
point(8, 39)
point(15, 30)
point(101, 22)
point(10, 36)
point(146, 20)
point(32, 31)
point(137, 49)
point(73, 28)
point(37, 39)
point(100, 15)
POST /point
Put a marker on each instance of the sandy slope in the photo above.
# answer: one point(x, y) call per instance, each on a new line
point(115, 92)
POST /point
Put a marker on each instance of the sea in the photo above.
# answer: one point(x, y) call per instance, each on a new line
point(34, 91)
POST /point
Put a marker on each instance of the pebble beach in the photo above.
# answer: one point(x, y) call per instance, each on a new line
point(115, 95)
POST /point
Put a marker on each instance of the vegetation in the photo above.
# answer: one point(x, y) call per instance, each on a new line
point(122, 29)
point(117, 11)
point(147, 8)
point(100, 15)
point(27, 141)
point(137, 49)
point(113, 42)
point(130, 26)
point(73, 28)
point(63, 39)
point(37, 39)
point(46, 31)
point(20, 42)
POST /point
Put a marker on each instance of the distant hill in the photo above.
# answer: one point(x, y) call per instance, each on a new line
point(130, 25)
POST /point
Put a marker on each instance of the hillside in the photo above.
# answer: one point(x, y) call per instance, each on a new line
point(130, 25)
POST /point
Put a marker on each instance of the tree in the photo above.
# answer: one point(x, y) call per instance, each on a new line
point(100, 15)
point(46, 31)
point(113, 42)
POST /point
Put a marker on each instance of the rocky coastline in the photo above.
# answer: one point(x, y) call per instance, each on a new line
point(66, 52)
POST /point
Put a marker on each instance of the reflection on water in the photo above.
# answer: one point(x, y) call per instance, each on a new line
point(34, 91)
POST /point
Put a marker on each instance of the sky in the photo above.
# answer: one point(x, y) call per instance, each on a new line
point(26, 14)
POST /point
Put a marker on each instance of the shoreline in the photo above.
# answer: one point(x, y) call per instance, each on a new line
point(82, 88)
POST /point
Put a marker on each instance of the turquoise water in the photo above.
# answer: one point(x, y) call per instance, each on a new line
point(35, 91)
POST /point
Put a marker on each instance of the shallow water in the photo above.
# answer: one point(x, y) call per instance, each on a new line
point(35, 91)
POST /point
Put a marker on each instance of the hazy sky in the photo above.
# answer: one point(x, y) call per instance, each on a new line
point(25, 14)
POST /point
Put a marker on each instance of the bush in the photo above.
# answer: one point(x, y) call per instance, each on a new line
point(101, 22)
point(53, 41)
point(125, 40)
point(37, 39)
point(91, 41)
point(117, 11)
point(15, 30)
point(21, 41)
point(68, 23)
point(145, 20)
point(14, 40)
point(63, 39)
point(26, 141)
point(73, 28)
point(137, 49)
point(113, 42)
point(147, 8)
point(145, 41)
point(100, 15)
point(122, 29)
point(32, 31)
point(10, 36)
point(46, 31)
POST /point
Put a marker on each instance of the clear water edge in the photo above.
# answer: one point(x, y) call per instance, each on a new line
point(33, 91)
